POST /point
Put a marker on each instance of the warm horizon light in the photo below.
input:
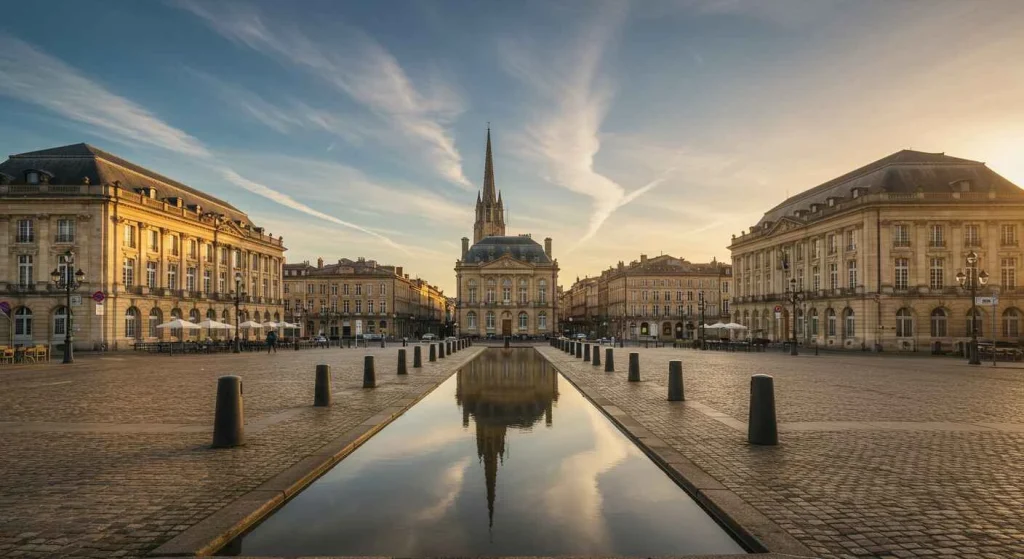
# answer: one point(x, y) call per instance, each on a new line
point(655, 127)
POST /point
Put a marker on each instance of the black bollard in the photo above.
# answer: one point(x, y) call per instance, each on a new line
point(634, 367)
point(404, 342)
point(229, 418)
point(586, 352)
point(296, 344)
point(417, 357)
point(369, 373)
point(322, 388)
point(579, 350)
point(440, 350)
point(675, 381)
point(401, 362)
point(597, 356)
point(609, 361)
point(433, 353)
point(762, 429)
point(507, 341)
point(382, 343)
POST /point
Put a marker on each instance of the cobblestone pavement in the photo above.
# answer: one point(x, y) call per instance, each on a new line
point(879, 456)
point(110, 457)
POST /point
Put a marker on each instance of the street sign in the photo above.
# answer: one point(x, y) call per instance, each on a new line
point(778, 308)
point(985, 301)
point(98, 297)
point(76, 300)
point(5, 307)
point(778, 315)
point(99, 309)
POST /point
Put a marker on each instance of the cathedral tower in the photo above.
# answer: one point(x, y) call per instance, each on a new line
point(490, 212)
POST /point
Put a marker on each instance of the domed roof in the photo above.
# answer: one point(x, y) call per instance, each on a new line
point(520, 248)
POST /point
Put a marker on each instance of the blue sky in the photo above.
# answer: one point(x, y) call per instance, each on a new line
point(357, 128)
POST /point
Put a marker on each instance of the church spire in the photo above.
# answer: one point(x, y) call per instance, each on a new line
point(489, 194)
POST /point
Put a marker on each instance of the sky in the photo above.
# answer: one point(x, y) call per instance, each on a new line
point(619, 129)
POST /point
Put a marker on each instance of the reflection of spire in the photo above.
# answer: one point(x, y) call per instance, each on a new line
point(499, 397)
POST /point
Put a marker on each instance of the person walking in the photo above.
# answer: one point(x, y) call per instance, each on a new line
point(271, 341)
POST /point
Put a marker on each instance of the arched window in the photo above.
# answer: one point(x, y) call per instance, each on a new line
point(849, 323)
point(490, 290)
point(938, 323)
point(23, 323)
point(800, 322)
point(1011, 323)
point(814, 322)
point(506, 291)
point(175, 332)
point(193, 316)
point(490, 320)
point(904, 323)
point(266, 316)
point(211, 314)
point(60, 322)
point(542, 291)
point(746, 319)
point(471, 320)
point(542, 320)
point(979, 322)
point(225, 317)
point(154, 321)
point(830, 322)
point(522, 292)
point(277, 317)
point(524, 320)
point(131, 323)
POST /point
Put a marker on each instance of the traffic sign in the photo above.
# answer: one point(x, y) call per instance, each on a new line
point(778, 308)
point(983, 301)
point(98, 296)
point(5, 307)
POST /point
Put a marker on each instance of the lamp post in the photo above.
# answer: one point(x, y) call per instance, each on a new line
point(972, 279)
point(794, 297)
point(238, 300)
point(68, 280)
point(703, 320)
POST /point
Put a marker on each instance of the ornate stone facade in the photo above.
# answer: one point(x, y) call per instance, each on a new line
point(154, 247)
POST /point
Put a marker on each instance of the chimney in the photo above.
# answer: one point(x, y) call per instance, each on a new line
point(319, 262)
point(643, 258)
point(398, 271)
point(547, 247)
point(465, 247)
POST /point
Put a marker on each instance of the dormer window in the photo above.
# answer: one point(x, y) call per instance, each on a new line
point(962, 186)
point(815, 208)
point(32, 177)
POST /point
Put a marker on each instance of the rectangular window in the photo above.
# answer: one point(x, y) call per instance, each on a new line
point(359, 306)
point(344, 289)
point(206, 281)
point(175, 246)
point(238, 258)
point(851, 274)
point(25, 275)
point(799, 279)
point(334, 289)
point(851, 241)
point(902, 273)
point(383, 307)
point(128, 272)
point(383, 289)
point(972, 236)
point(901, 235)
point(154, 240)
point(193, 248)
point(309, 289)
point(208, 256)
point(222, 282)
point(359, 289)
point(937, 236)
point(65, 230)
point(26, 231)
point(172, 276)
point(344, 306)
point(831, 244)
point(255, 262)
point(151, 275)
point(1008, 273)
point(814, 248)
point(224, 256)
point(129, 235)
point(833, 275)
point(190, 278)
point(1008, 236)
point(815, 279)
point(936, 273)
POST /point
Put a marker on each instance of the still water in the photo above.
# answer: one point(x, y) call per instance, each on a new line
point(504, 458)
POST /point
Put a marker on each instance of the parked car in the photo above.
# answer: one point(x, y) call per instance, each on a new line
point(580, 336)
point(428, 337)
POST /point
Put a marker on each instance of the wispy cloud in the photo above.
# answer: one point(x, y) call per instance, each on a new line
point(567, 139)
point(34, 77)
point(361, 69)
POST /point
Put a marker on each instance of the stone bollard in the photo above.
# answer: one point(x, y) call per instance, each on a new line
point(382, 343)
point(609, 361)
point(369, 373)
point(433, 353)
point(401, 363)
point(586, 352)
point(762, 429)
point(440, 350)
point(675, 381)
point(229, 418)
point(322, 388)
point(597, 356)
point(634, 367)
point(417, 357)
point(448, 348)
point(404, 342)
point(579, 350)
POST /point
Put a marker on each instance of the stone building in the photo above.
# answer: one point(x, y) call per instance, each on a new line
point(874, 255)
point(651, 298)
point(505, 284)
point(155, 249)
point(360, 297)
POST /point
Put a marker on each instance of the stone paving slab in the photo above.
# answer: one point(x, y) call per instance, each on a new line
point(882, 457)
point(110, 457)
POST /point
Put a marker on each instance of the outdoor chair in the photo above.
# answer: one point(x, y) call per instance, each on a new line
point(6, 354)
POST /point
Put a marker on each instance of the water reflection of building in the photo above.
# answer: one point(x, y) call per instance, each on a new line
point(502, 389)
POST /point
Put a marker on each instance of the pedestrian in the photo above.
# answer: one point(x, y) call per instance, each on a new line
point(271, 341)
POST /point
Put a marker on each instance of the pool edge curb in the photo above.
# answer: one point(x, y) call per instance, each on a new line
point(213, 532)
point(745, 522)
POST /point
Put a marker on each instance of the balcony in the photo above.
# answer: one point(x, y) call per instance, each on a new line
point(901, 243)
point(937, 244)
point(1009, 243)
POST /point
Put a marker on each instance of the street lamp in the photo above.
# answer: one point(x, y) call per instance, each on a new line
point(238, 299)
point(973, 280)
point(703, 320)
point(794, 297)
point(68, 280)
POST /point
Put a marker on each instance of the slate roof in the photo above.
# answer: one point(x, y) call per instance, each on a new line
point(905, 171)
point(70, 164)
point(523, 249)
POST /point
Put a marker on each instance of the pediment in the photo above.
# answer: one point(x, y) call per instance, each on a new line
point(784, 224)
point(508, 262)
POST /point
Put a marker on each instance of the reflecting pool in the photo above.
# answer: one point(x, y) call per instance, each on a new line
point(504, 458)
